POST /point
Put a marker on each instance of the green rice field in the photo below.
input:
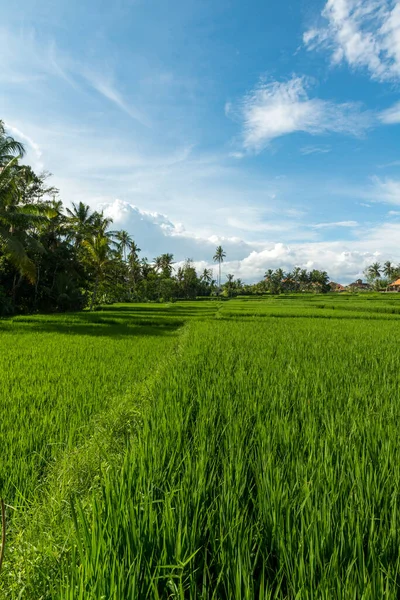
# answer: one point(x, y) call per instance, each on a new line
point(245, 449)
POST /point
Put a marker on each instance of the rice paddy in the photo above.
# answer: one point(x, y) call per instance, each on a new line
point(245, 449)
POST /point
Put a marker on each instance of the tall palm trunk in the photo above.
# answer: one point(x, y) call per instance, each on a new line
point(16, 284)
point(94, 295)
point(36, 286)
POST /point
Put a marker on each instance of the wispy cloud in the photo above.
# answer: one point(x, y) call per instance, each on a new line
point(315, 150)
point(275, 109)
point(363, 33)
point(336, 224)
point(391, 115)
point(386, 190)
point(109, 91)
point(393, 163)
point(27, 59)
point(55, 63)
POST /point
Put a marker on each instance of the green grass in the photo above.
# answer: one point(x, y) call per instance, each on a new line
point(55, 374)
point(263, 460)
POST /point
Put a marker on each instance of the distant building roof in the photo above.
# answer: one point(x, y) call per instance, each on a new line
point(333, 284)
point(359, 283)
point(397, 282)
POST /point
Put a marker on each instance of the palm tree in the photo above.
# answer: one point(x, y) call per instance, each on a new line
point(166, 264)
point(145, 267)
point(180, 275)
point(229, 284)
point(9, 148)
point(374, 270)
point(268, 274)
point(219, 258)
point(101, 224)
point(206, 276)
point(158, 263)
point(124, 241)
point(389, 269)
point(99, 257)
point(10, 152)
point(82, 221)
point(134, 251)
point(18, 219)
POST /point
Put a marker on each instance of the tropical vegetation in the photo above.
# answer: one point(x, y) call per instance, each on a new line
point(55, 258)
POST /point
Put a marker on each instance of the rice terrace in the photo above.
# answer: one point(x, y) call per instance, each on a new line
point(200, 300)
point(238, 449)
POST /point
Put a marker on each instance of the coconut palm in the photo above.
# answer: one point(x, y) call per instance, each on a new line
point(134, 251)
point(219, 258)
point(99, 257)
point(82, 220)
point(180, 275)
point(206, 276)
point(101, 224)
point(124, 241)
point(158, 263)
point(9, 148)
point(239, 284)
point(10, 244)
point(374, 270)
point(268, 274)
point(19, 220)
point(389, 269)
point(166, 264)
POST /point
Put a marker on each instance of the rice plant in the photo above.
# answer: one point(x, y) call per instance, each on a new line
point(265, 463)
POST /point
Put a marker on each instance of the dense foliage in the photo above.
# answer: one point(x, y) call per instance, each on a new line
point(57, 259)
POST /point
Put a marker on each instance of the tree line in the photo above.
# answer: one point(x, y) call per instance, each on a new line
point(380, 276)
point(55, 258)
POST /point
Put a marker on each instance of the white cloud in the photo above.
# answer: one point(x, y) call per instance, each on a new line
point(343, 260)
point(342, 263)
point(203, 190)
point(363, 33)
point(336, 224)
point(386, 190)
point(279, 108)
point(156, 233)
point(391, 115)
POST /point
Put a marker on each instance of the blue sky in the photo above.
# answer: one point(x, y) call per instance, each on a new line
point(272, 128)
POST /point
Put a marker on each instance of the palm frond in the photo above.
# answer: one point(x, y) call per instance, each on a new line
point(15, 252)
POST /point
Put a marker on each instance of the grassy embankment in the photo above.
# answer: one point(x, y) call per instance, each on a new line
point(251, 454)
